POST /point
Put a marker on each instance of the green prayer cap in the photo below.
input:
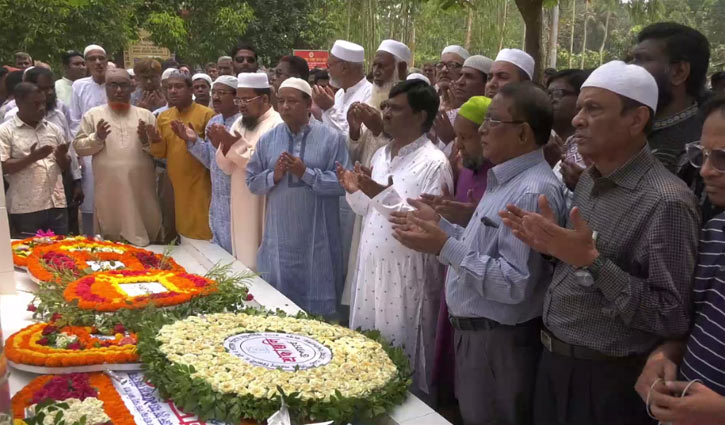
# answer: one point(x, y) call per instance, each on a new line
point(475, 109)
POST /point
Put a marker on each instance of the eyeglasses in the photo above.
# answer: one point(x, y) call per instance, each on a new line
point(559, 93)
point(239, 101)
point(116, 86)
point(490, 122)
point(452, 66)
point(247, 59)
point(697, 155)
point(222, 92)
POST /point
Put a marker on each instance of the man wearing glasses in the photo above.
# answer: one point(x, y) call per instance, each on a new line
point(126, 206)
point(223, 95)
point(626, 258)
point(234, 147)
point(245, 58)
point(696, 393)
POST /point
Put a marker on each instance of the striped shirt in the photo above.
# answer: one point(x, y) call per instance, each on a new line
point(705, 355)
point(647, 225)
point(491, 273)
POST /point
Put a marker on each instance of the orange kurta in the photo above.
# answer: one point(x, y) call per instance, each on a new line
point(189, 177)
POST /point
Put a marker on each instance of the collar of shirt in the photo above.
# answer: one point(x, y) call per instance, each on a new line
point(627, 175)
point(20, 123)
point(304, 130)
point(229, 121)
point(67, 81)
point(407, 149)
point(358, 86)
point(505, 171)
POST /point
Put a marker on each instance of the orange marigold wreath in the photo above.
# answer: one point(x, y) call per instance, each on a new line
point(82, 257)
point(135, 289)
point(37, 345)
point(75, 385)
point(24, 247)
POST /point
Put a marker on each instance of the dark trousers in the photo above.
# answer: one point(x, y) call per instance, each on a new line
point(571, 391)
point(28, 224)
point(496, 373)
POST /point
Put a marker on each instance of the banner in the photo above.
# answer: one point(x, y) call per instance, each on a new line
point(314, 58)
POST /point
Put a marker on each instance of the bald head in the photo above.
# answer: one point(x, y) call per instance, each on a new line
point(117, 72)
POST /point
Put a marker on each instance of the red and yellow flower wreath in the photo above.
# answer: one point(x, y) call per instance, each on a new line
point(24, 247)
point(31, 346)
point(74, 257)
point(74, 385)
point(104, 291)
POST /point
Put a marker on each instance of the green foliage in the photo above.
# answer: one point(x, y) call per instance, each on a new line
point(195, 395)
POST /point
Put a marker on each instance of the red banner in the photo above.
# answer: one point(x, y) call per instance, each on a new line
point(314, 58)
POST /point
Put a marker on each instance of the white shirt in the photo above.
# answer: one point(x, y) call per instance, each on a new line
point(397, 290)
point(39, 186)
point(336, 116)
point(87, 94)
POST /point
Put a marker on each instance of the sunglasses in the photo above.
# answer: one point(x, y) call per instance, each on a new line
point(697, 155)
point(247, 59)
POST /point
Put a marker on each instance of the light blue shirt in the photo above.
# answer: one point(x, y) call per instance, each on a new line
point(301, 251)
point(220, 207)
point(491, 272)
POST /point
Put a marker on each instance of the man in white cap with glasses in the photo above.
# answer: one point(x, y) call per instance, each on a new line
point(346, 68)
point(88, 92)
point(510, 66)
point(626, 257)
point(235, 147)
point(223, 96)
point(294, 166)
point(448, 69)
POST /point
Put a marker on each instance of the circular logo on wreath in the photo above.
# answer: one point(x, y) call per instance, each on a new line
point(275, 350)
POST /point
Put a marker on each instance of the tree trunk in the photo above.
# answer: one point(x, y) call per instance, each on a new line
point(584, 41)
point(469, 26)
point(349, 14)
point(503, 23)
point(553, 36)
point(604, 40)
point(531, 12)
point(573, 25)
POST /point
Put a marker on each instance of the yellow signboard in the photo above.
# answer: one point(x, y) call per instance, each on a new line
point(143, 48)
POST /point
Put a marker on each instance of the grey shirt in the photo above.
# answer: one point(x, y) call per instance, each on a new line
point(647, 223)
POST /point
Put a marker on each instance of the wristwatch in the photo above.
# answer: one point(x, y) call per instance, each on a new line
point(587, 275)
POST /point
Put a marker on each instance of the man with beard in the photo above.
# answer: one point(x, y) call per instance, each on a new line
point(201, 85)
point(189, 177)
point(148, 94)
point(74, 67)
point(223, 98)
point(126, 206)
point(88, 92)
point(293, 165)
point(471, 82)
point(244, 57)
point(678, 57)
point(58, 113)
point(34, 155)
point(234, 149)
point(345, 66)
point(390, 65)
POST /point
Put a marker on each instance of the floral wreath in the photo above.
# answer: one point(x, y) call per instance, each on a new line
point(48, 345)
point(92, 396)
point(338, 374)
point(24, 247)
point(72, 259)
point(135, 289)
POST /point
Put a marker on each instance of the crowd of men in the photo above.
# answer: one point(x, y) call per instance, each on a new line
point(548, 254)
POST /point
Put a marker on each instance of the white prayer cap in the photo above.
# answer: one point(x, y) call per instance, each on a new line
point(227, 80)
point(397, 49)
point(93, 47)
point(348, 52)
point(167, 72)
point(297, 83)
point(519, 58)
point(25, 71)
point(130, 72)
point(454, 48)
point(253, 80)
point(224, 58)
point(630, 81)
point(479, 62)
point(201, 76)
point(418, 76)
